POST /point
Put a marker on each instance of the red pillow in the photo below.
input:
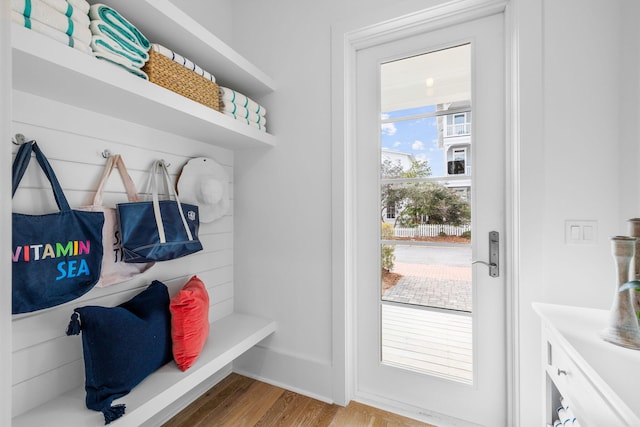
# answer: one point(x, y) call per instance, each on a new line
point(189, 322)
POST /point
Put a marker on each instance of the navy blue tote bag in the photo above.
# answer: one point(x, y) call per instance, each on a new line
point(57, 257)
point(158, 230)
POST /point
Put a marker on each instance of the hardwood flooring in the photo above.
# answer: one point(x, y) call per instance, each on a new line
point(241, 401)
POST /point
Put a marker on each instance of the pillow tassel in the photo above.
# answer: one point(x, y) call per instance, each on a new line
point(112, 413)
point(74, 325)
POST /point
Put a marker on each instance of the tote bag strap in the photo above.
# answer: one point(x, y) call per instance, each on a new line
point(20, 166)
point(113, 162)
point(161, 167)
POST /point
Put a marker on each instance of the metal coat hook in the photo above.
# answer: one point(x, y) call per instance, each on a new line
point(19, 139)
point(165, 163)
point(106, 153)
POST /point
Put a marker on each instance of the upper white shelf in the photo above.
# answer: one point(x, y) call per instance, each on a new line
point(44, 67)
point(162, 22)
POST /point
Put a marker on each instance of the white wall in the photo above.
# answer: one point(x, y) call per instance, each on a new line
point(578, 86)
point(284, 259)
point(214, 15)
point(576, 89)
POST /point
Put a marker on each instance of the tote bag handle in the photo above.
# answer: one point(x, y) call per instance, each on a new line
point(113, 162)
point(161, 167)
point(23, 156)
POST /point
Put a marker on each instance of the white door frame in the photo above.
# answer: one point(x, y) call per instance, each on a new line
point(347, 40)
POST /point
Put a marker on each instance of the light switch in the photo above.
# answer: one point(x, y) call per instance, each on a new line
point(587, 233)
point(575, 232)
point(581, 232)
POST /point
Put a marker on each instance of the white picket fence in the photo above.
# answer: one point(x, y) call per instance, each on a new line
point(431, 230)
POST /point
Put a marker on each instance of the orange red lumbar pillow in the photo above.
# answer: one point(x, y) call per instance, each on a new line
point(189, 322)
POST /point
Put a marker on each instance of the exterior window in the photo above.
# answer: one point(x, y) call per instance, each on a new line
point(458, 124)
point(457, 166)
point(391, 211)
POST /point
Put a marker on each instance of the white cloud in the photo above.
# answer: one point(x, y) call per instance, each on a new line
point(418, 145)
point(421, 157)
point(388, 128)
point(397, 144)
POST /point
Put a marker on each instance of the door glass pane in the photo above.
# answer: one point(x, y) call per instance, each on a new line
point(425, 201)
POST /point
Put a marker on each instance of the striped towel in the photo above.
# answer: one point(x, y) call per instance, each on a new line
point(108, 16)
point(117, 40)
point(260, 126)
point(182, 61)
point(239, 111)
point(68, 10)
point(50, 32)
point(42, 12)
point(81, 5)
point(121, 61)
point(242, 100)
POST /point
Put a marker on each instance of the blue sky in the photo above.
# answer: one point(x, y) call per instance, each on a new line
point(418, 137)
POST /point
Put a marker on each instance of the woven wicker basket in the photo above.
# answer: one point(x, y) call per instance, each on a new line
point(169, 74)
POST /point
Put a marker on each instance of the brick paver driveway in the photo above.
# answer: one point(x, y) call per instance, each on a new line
point(436, 276)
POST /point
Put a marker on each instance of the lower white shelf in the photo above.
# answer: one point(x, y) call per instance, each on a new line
point(229, 338)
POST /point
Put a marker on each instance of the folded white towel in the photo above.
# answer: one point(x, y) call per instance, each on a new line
point(106, 21)
point(241, 100)
point(182, 61)
point(239, 111)
point(43, 12)
point(122, 62)
point(106, 45)
point(82, 5)
point(262, 127)
point(48, 31)
point(68, 10)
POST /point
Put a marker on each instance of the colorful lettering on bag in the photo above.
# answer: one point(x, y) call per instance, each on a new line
point(48, 252)
point(40, 251)
point(72, 269)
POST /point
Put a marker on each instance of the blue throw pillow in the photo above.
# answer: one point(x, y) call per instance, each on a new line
point(122, 345)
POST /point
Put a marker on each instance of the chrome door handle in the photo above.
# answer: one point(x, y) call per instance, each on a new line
point(494, 255)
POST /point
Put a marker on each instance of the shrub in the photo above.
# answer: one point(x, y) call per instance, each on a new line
point(387, 251)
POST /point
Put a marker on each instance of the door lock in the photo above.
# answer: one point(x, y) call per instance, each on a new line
point(494, 255)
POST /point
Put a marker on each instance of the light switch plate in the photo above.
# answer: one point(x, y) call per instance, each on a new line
point(581, 232)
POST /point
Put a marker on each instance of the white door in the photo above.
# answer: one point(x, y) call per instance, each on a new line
point(398, 326)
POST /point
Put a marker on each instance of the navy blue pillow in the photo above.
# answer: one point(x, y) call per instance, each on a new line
point(122, 345)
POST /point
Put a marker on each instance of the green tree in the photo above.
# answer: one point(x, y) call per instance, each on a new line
point(420, 202)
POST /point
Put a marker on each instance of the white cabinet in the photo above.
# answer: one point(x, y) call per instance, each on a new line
point(598, 380)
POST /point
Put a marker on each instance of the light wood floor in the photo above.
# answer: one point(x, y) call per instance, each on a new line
point(241, 401)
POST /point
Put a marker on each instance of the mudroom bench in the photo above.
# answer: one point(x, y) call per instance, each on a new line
point(78, 105)
point(163, 391)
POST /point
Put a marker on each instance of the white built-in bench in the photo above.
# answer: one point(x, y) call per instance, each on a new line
point(229, 338)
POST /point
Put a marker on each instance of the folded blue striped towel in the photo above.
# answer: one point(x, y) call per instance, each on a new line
point(230, 95)
point(50, 32)
point(67, 9)
point(117, 35)
point(43, 12)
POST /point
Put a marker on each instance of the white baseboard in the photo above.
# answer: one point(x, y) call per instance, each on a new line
point(410, 411)
point(291, 372)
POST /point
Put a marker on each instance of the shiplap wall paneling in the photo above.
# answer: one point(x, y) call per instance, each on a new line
point(46, 362)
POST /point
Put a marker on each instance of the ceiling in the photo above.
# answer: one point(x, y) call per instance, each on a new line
point(439, 77)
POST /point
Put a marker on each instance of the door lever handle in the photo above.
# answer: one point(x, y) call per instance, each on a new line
point(494, 255)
